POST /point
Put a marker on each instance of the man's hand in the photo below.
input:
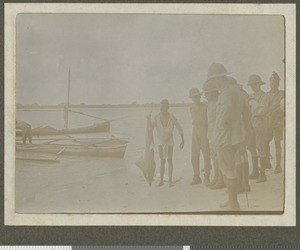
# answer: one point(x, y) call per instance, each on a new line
point(243, 148)
point(181, 144)
point(148, 116)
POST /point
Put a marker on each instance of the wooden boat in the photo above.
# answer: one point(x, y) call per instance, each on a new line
point(47, 130)
point(90, 147)
point(40, 160)
point(98, 147)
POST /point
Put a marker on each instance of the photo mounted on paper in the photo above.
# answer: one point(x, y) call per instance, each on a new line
point(122, 113)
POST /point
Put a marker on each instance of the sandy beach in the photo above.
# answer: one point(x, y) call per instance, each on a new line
point(107, 185)
point(81, 185)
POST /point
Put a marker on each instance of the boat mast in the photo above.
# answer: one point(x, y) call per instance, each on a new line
point(66, 109)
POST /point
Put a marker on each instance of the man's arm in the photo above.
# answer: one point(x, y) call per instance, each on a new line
point(275, 108)
point(264, 106)
point(266, 101)
point(192, 112)
point(225, 106)
point(150, 124)
point(180, 131)
point(205, 117)
point(246, 113)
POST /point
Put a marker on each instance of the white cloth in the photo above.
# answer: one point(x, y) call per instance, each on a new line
point(165, 133)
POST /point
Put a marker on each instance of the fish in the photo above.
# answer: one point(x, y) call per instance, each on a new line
point(147, 162)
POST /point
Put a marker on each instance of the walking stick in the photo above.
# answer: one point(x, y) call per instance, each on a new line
point(244, 176)
point(246, 193)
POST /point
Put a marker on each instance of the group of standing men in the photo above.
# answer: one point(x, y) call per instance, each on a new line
point(224, 128)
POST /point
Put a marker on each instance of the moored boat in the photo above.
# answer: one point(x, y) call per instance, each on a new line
point(90, 147)
point(47, 130)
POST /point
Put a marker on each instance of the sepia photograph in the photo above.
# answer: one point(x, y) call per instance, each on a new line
point(154, 113)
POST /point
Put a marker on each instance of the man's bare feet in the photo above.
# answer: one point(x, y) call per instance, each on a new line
point(160, 184)
point(171, 184)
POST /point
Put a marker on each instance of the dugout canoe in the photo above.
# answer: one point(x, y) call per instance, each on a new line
point(47, 130)
point(111, 147)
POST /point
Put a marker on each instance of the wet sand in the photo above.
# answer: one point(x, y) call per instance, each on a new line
point(86, 185)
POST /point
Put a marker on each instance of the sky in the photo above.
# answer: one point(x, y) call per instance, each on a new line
point(125, 58)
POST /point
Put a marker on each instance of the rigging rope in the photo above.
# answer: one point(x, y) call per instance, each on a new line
point(107, 120)
point(77, 112)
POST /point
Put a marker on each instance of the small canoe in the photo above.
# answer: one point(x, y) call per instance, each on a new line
point(47, 130)
point(109, 147)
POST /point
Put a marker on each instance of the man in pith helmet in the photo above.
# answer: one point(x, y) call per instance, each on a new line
point(211, 94)
point(199, 138)
point(260, 108)
point(242, 155)
point(229, 131)
point(250, 139)
point(276, 116)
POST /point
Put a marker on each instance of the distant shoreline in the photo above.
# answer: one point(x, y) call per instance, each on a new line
point(61, 107)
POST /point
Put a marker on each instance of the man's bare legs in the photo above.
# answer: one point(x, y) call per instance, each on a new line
point(163, 163)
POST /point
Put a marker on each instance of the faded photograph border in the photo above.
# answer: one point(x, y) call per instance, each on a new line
point(288, 218)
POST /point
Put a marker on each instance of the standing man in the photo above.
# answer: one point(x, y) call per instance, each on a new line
point(211, 93)
point(260, 108)
point(250, 139)
point(199, 138)
point(229, 131)
point(25, 130)
point(242, 156)
point(164, 124)
point(276, 116)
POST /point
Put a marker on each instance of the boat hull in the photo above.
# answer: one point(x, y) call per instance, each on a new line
point(112, 151)
point(95, 128)
point(107, 147)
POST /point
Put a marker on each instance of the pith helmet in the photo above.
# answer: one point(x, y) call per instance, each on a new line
point(232, 80)
point(275, 76)
point(209, 87)
point(165, 102)
point(194, 92)
point(253, 79)
point(216, 70)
